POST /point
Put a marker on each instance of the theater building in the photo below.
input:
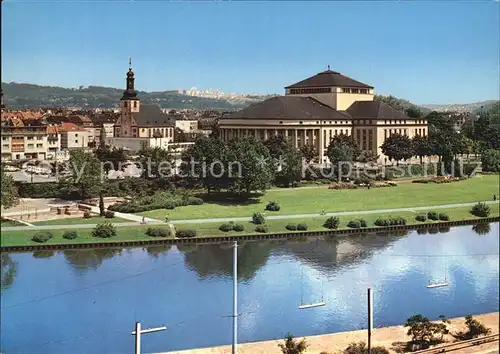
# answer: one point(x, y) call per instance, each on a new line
point(314, 110)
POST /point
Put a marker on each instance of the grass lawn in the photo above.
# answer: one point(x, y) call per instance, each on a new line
point(10, 223)
point(130, 233)
point(313, 200)
point(212, 229)
point(78, 220)
point(135, 233)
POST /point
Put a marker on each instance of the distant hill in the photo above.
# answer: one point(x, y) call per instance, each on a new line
point(460, 107)
point(18, 95)
point(400, 104)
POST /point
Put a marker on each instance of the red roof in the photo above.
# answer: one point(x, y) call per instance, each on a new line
point(70, 127)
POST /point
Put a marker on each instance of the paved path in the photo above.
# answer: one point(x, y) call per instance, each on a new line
point(149, 221)
point(126, 216)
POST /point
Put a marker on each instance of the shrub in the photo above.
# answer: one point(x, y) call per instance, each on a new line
point(291, 346)
point(86, 214)
point(397, 221)
point(302, 227)
point(475, 327)
point(42, 236)
point(258, 219)
point(170, 205)
point(238, 227)
point(362, 222)
point(291, 227)
point(70, 235)
point(480, 209)
point(104, 230)
point(421, 217)
point(432, 215)
point(443, 217)
point(185, 233)
point(157, 232)
point(382, 222)
point(226, 227)
point(261, 228)
point(108, 214)
point(332, 222)
point(354, 224)
point(194, 201)
point(273, 206)
point(361, 348)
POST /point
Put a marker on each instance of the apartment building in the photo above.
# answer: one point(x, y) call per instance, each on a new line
point(74, 137)
point(24, 140)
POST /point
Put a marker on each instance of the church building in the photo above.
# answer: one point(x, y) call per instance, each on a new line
point(140, 125)
point(314, 110)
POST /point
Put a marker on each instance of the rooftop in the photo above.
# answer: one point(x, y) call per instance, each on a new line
point(329, 78)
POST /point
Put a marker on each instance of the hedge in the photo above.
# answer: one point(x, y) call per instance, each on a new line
point(185, 233)
point(261, 228)
point(157, 232)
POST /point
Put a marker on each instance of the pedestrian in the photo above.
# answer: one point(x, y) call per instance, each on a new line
point(143, 220)
point(166, 218)
point(494, 197)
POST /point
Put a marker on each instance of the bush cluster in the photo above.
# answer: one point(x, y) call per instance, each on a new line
point(86, 214)
point(443, 217)
point(291, 226)
point(273, 206)
point(226, 227)
point(157, 232)
point(108, 214)
point(332, 222)
point(160, 200)
point(421, 217)
point(356, 224)
point(258, 219)
point(391, 221)
point(432, 215)
point(185, 233)
point(104, 230)
point(70, 235)
point(42, 236)
point(302, 227)
point(261, 228)
point(481, 209)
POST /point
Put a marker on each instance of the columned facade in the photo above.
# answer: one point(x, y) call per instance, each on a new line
point(316, 109)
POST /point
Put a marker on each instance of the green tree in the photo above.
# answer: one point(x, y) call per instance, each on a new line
point(9, 190)
point(286, 160)
point(490, 160)
point(111, 158)
point(421, 146)
point(414, 112)
point(290, 346)
point(343, 149)
point(86, 173)
point(309, 153)
point(397, 147)
point(205, 162)
point(155, 162)
point(249, 165)
point(422, 330)
point(475, 327)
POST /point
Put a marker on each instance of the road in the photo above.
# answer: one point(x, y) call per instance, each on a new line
point(137, 219)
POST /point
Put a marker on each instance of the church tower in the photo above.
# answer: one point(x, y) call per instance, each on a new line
point(130, 104)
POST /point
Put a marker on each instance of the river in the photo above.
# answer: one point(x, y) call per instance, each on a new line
point(87, 301)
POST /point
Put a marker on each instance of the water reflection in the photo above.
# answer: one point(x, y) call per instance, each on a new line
point(43, 254)
point(9, 270)
point(84, 260)
point(482, 228)
point(156, 251)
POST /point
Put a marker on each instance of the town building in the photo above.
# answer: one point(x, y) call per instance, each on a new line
point(314, 110)
point(140, 125)
point(74, 137)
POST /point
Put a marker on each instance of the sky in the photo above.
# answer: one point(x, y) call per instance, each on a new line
point(424, 51)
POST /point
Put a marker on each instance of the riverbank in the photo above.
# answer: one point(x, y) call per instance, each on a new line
point(389, 337)
point(136, 236)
